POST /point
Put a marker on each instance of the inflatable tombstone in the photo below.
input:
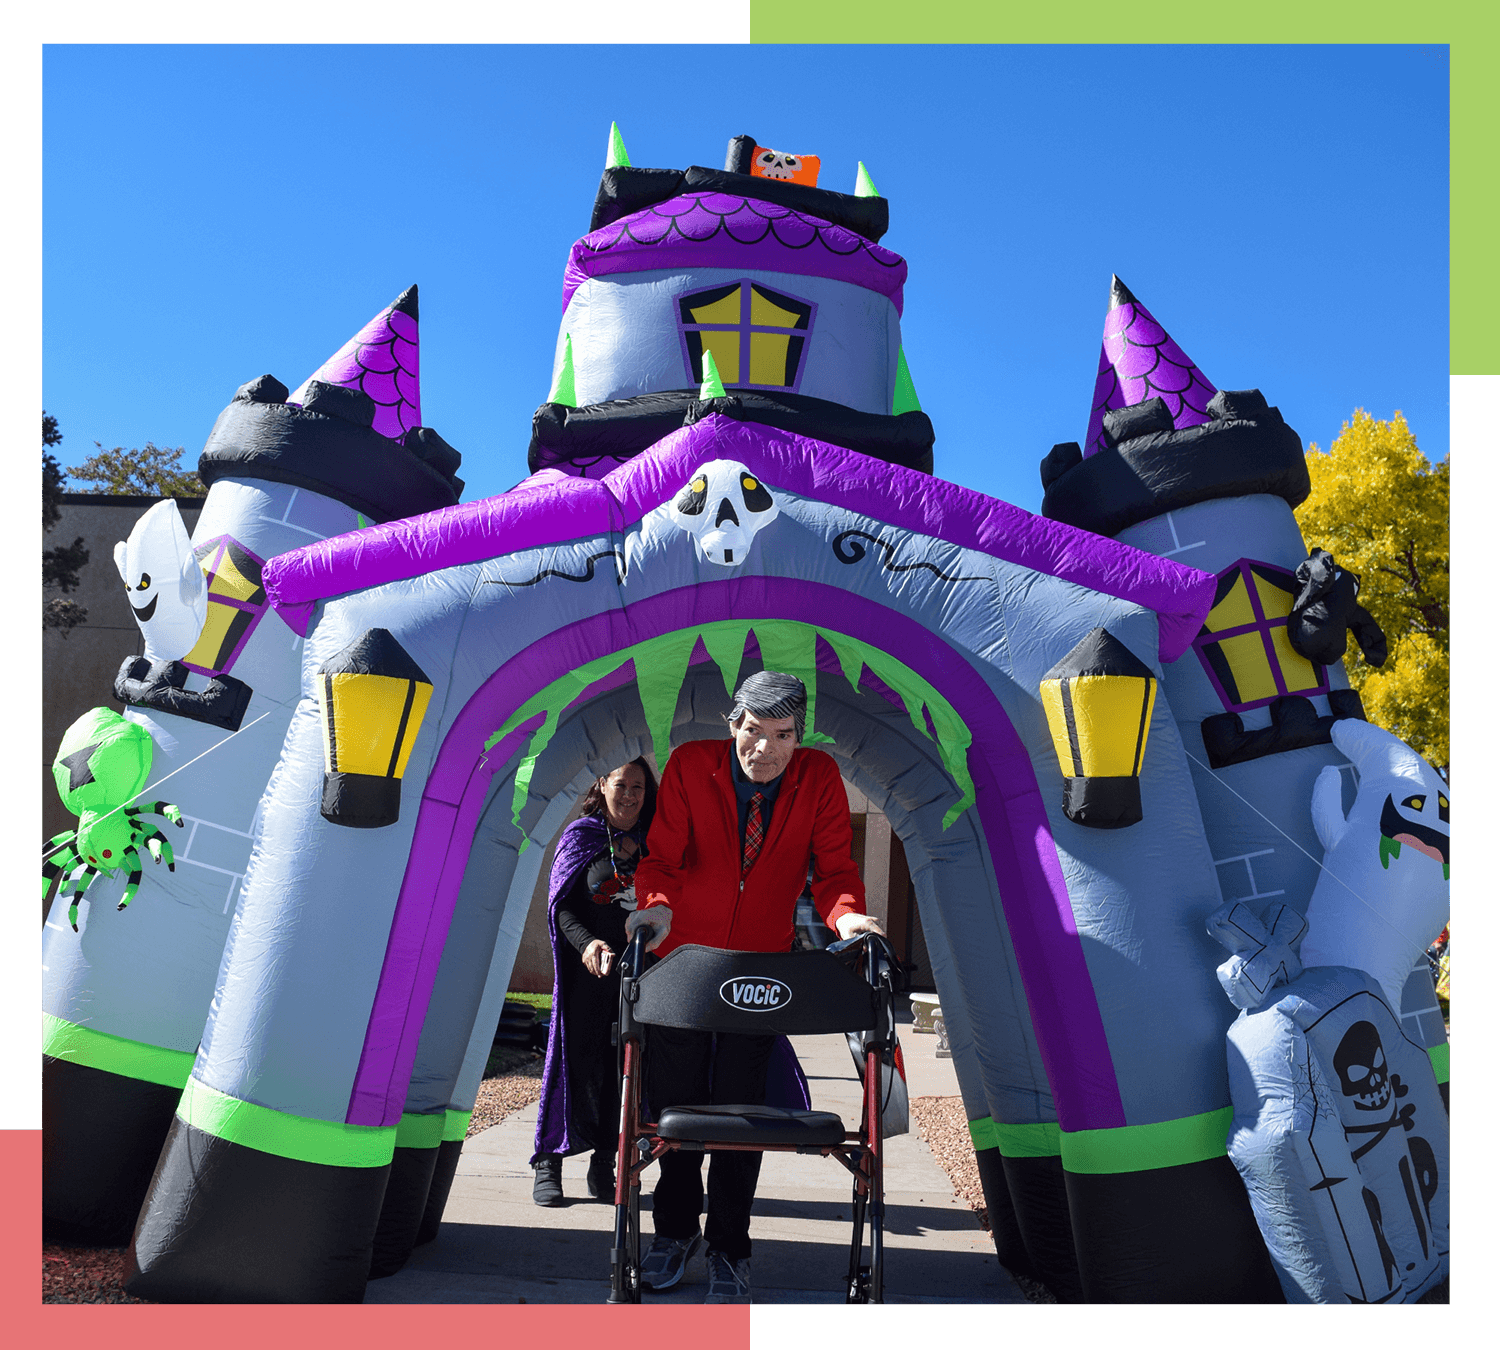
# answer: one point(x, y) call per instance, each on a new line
point(1340, 1131)
point(125, 997)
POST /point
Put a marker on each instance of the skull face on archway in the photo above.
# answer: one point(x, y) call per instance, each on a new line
point(724, 506)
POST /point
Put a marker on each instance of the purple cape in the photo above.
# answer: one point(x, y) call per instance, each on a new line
point(580, 844)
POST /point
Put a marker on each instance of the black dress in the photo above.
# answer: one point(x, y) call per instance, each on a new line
point(590, 909)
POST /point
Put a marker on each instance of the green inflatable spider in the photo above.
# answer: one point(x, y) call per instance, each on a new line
point(102, 763)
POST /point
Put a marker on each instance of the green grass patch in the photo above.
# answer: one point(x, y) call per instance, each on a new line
point(542, 1002)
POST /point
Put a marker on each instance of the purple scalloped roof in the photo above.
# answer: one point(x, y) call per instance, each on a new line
point(715, 229)
point(551, 508)
point(1139, 361)
point(382, 360)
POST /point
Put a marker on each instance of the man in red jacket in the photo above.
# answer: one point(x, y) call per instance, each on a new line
point(738, 823)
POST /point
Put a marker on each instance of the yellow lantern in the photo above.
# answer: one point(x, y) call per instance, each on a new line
point(1098, 701)
point(371, 697)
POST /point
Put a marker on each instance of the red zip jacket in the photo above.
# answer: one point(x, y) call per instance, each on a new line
point(692, 863)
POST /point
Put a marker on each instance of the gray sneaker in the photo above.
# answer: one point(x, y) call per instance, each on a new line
point(728, 1281)
point(666, 1260)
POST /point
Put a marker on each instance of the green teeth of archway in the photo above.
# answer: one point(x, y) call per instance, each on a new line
point(661, 665)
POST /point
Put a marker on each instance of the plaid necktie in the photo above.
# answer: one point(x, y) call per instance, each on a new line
point(755, 831)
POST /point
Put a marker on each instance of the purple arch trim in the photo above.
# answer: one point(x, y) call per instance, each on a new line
point(558, 510)
point(1065, 1012)
point(716, 229)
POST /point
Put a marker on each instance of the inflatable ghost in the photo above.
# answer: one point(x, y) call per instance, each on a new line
point(1382, 895)
point(167, 591)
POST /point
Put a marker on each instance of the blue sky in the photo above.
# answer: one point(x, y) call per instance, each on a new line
point(213, 213)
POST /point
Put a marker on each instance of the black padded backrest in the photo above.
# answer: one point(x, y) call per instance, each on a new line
point(788, 993)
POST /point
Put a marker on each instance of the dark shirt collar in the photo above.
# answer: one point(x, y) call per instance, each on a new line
point(746, 787)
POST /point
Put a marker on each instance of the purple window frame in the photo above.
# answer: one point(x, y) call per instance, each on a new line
point(211, 550)
point(745, 328)
point(1263, 626)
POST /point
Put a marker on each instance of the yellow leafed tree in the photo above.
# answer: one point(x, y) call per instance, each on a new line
point(1381, 508)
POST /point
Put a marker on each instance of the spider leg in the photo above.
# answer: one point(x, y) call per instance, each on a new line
point(156, 843)
point(88, 874)
point(131, 860)
point(172, 813)
point(51, 867)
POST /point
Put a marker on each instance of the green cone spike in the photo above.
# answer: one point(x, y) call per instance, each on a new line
point(904, 399)
point(864, 185)
point(617, 157)
point(562, 387)
point(713, 386)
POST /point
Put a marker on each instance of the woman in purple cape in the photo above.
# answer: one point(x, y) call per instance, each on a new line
point(590, 892)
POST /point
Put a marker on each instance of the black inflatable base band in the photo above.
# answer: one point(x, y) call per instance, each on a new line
point(1039, 1199)
point(403, 1210)
point(1004, 1230)
point(1170, 1235)
point(224, 1223)
point(101, 1136)
point(443, 1172)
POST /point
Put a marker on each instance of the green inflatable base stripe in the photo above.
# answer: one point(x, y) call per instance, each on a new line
point(1133, 1148)
point(331, 1143)
point(1438, 1054)
point(1015, 1141)
point(456, 1125)
point(114, 1054)
point(421, 1131)
point(1140, 1148)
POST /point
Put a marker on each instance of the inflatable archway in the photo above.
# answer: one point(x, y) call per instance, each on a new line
point(733, 472)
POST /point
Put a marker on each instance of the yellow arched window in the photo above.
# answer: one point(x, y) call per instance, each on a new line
point(758, 336)
point(236, 602)
point(1244, 645)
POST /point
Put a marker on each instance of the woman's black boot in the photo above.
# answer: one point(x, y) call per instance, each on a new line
point(601, 1181)
point(546, 1189)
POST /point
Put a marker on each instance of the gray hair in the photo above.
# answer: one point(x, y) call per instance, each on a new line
point(770, 693)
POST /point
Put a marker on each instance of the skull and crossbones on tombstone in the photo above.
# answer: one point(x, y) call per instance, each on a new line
point(1365, 1076)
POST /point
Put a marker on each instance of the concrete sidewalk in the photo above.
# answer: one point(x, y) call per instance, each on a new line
point(496, 1246)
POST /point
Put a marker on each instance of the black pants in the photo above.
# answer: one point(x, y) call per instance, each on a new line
point(684, 1068)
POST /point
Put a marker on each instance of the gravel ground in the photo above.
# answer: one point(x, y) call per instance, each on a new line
point(505, 1094)
point(84, 1275)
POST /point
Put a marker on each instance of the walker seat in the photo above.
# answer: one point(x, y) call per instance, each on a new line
point(781, 993)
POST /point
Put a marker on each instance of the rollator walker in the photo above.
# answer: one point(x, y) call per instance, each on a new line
point(847, 988)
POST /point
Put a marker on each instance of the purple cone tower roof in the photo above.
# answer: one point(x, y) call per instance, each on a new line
point(381, 359)
point(1139, 361)
point(716, 229)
